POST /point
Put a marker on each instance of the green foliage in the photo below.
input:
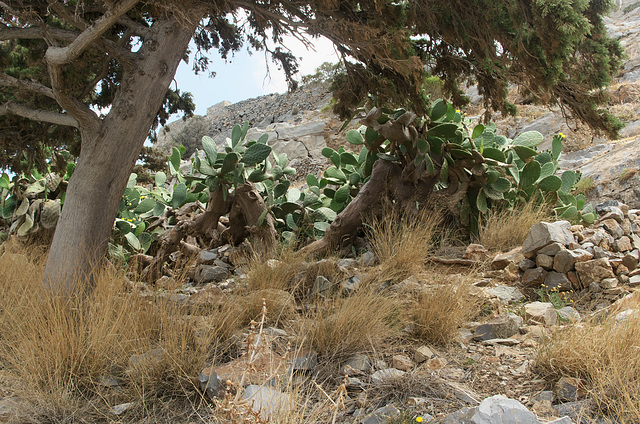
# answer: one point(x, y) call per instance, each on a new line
point(554, 296)
point(500, 173)
point(324, 74)
point(32, 201)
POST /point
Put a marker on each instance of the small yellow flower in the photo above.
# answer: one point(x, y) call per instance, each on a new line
point(562, 135)
point(418, 419)
point(457, 111)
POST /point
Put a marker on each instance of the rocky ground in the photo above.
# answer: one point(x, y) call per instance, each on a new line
point(560, 277)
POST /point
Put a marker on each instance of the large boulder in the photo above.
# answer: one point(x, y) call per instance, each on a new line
point(543, 234)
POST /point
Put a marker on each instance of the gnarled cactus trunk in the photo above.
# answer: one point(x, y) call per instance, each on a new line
point(244, 207)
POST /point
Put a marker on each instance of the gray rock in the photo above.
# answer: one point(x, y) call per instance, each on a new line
point(210, 384)
point(505, 293)
point(552, 249)
point(557, 280)
point(122, 408)
point(368, 258)
point(612, 212)
point(322, 286)
point(346, 262)
point(543, 234)
point(565, 259)
point(526, 264)
point(501, 410)
point(463, 416)
point(534, 277)
point(357, 364)
point(306, 362)
point(351, 285)
point(209, 273)
point(609, 283)
point(574, 410)
point(544, 261)
point(267, 401)
point(612, 227)
point(109, 381)
point(567, 389)
point(569, 314)
point(386, 375)
point(383, 415)
point(604, 207)
point(501, 327)
point(207, 256)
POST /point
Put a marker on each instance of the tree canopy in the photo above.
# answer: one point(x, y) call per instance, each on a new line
point(96, 75)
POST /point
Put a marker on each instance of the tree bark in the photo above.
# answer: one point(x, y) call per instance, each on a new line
point(388, 182)
point(108, 153)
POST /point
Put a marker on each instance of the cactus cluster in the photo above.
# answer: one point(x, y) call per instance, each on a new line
point(31, 202)
point(476, 168)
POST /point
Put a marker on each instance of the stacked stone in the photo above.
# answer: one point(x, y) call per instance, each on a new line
point(600, 258)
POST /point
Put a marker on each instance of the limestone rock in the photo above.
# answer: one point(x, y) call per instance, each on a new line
point(543, 234)
point(499, 409)
point(421, 354)
point(357, 364)
point(594, 270)
point(208, 273)
point(567, 389)
point(384, 415)
point(476, 252)
point(402, 362)
point(503, 260)
point(501, 327)
point(506, 294)
point(544, 261)
point(557, 280)
point(540, 313)
point(386, 375)
point(267, 401)
point(534, 277)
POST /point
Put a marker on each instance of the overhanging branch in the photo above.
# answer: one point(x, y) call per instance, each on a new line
point(62, 55)
point(35, 87)
point(38, 115)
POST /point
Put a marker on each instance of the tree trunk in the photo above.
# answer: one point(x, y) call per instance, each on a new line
point(388, 182)
point(107, 157)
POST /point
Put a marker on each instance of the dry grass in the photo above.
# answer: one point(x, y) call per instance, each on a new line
point(585, 185)
point(605, 356)
point(443, 305)
point(359, 323)
point(502, 230)
point(60, 349)
point(273, 273)
point(402, 242)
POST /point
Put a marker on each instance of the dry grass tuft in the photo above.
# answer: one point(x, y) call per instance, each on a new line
point(402, 242)
point(442, 307)
point(605, 356)
point(344, 326)
point(502, 230)
point(61, 349)
point(273, 273)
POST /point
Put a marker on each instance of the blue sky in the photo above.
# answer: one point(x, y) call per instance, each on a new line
point(245, 76)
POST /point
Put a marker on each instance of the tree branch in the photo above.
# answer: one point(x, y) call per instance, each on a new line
point(33, 86)
point(85, 117)
point(38, 115)
point(121, 54)
point(135, 27)
point(62, 55)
